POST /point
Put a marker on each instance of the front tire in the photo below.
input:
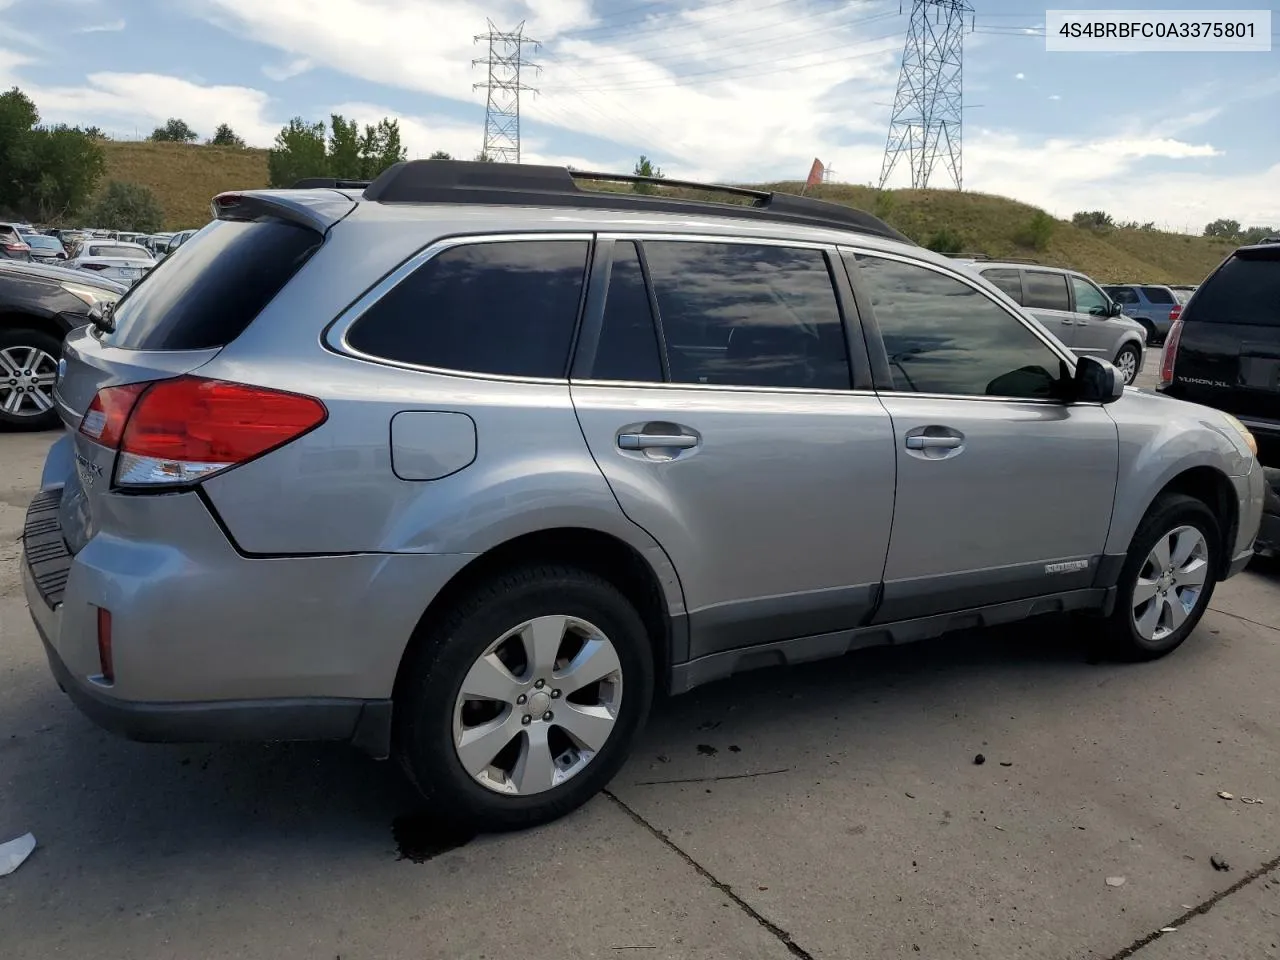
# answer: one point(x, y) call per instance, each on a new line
point(1128, 361)
point(28, 369)
point(1167, 579)
point(524, 699)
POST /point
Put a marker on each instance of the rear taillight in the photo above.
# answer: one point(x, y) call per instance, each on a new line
point(105, 419)
point(186, 429)
point(16, 247)
point(1170, 351)
point(1176, 312)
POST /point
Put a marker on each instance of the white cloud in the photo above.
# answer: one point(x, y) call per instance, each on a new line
point(113, 26)
point(1019, 76)
point(1054, 96)
point(621, 85)
point(285, 71)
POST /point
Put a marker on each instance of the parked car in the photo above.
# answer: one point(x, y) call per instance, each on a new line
point(1152, 305)
point(1268, 542)
point(38, 305)
point(1075, 310)
point(44, 249)
point(641, 442)
point(156, 243)
point(1183, 291)
point(1224, 349)
point(123, 262)
point(177, 240)
point(12, 246)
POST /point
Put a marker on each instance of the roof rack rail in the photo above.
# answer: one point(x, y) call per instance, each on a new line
point(332, 183)
point(470, 181)
point(967, 256)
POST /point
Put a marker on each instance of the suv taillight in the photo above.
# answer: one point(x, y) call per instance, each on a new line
point(1175, 313)
point(180, 431)
point(1170, 354)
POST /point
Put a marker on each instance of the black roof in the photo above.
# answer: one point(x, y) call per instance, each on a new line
point(469, 181)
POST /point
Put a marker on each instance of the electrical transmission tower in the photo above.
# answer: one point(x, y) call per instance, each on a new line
point(502, 106)
point(928, 112)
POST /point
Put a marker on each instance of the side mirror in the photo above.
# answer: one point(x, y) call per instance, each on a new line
point(1096, 381)
point(1115, 309)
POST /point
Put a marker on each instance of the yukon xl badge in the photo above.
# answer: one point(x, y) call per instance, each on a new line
point(1066, 566)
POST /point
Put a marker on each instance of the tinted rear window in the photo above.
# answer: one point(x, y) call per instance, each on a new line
point(1158, 295)
point(1045, 291)
point(505, 307)
point(1123, 295)
point(1010, 281)
point(1244, 290)
point(206, 294)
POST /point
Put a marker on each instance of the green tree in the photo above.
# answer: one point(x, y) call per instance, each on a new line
point(1256, 234)
point(128, 206)
point(645, 168)
point(299, 151)
point(945, 240)
point(224, 136)
point(174, 131)
point(1098, 220)
point(345, 159)
point(46, 173)
point(483, 157)
point(440, 155)
point(94, 133)
point(380, 147)
point(1230, 229)
point(1037, 232)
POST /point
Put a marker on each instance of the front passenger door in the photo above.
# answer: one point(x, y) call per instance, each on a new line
point(1004, 491)
point(1046, 295)
point(1095, 334)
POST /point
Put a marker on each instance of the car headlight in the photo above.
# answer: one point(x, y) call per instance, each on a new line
point(1250, 440)
point(90, 295)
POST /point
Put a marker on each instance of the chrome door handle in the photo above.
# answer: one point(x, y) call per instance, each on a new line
point(933, 443)
point(653, 441)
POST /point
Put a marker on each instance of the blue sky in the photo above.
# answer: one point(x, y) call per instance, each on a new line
point(721, 90)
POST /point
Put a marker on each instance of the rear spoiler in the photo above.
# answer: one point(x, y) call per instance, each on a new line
point(318, 210)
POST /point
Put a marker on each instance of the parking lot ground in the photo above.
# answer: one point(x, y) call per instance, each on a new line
point(828, 811)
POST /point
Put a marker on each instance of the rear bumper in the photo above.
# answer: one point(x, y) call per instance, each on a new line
point(210, 645)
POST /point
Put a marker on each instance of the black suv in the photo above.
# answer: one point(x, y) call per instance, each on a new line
point(1224, 352)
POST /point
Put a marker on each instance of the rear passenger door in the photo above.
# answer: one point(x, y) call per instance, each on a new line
point(714, 386)
point(1046, 295)
point(1004, 492)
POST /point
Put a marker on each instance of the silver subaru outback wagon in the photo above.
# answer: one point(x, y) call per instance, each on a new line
point(464, 466)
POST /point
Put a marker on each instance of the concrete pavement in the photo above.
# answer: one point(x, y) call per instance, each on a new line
point(829, 811)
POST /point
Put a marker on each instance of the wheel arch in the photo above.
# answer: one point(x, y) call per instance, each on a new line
point(25, 320)
point(1204, 482)
point(594, 551)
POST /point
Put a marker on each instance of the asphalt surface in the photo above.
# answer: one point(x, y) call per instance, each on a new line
point(828, 811)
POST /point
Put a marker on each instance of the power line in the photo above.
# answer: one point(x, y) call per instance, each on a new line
point(928, 110)
point(752, 71)
point(721, 48)
point(503, 86)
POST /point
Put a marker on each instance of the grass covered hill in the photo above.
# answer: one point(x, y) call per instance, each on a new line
point(184, 177)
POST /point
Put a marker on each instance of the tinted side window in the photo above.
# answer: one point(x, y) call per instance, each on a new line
point(1010, 281)
point(1046, 291)
point(748, 315)
point(506, 307)
point(943, 336)
point(209, 295)
point(1125, 295)
point(1243, 290)
point(628, 348)
point(1159, 295)
point(1089, 299)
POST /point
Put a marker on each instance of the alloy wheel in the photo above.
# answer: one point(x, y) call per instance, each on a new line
point(27, 376)
point(537, 705)
point(1170, 583)
point(1127, 363)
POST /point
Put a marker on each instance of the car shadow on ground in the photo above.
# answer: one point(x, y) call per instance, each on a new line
point(81, 788)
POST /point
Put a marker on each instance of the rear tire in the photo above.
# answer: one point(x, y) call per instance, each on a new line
point(1159, 604)
point(1129, 360)
point(581, 734)
point(28, 368)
